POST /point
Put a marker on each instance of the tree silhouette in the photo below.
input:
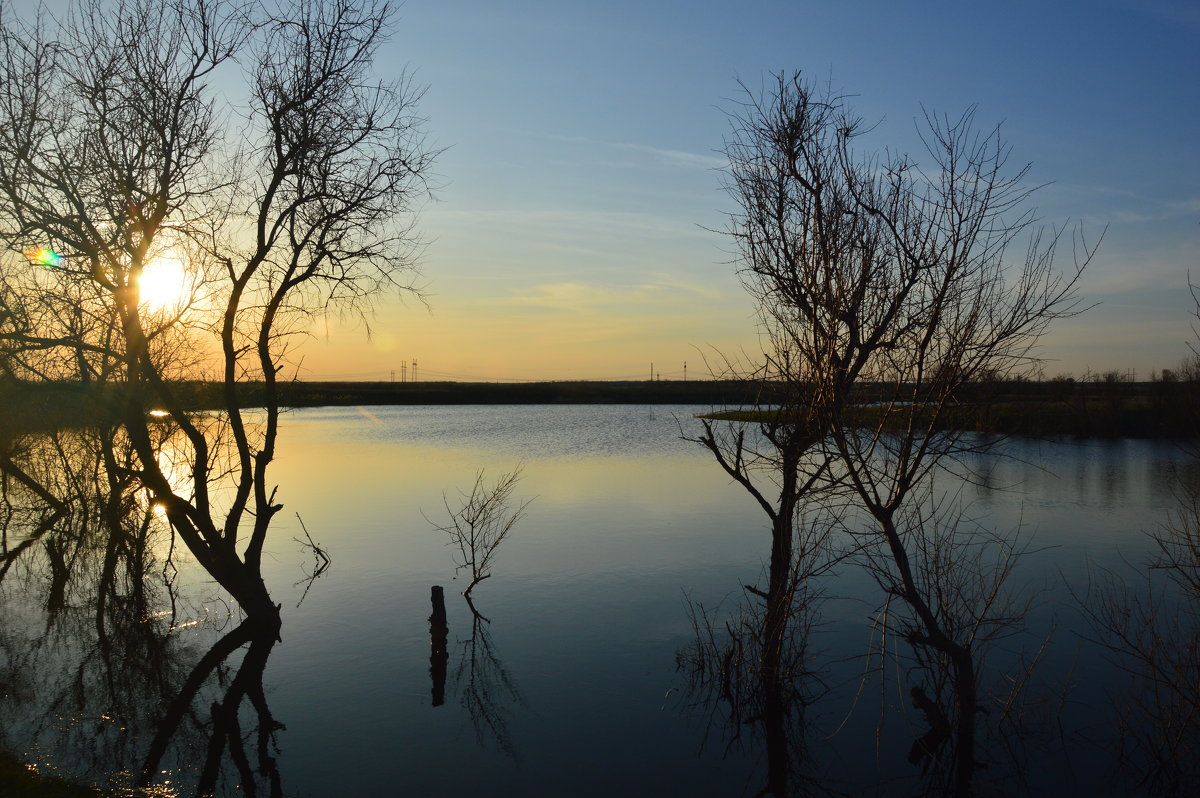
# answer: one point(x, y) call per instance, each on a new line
point(481, 524)
point(248, 142)
point(885, 286)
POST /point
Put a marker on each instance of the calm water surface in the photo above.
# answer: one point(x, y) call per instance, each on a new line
point(573, 686)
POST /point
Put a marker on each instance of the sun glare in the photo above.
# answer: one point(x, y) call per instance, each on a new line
point(165, 285)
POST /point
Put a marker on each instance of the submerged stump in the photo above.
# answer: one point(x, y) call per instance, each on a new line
point(439, 656)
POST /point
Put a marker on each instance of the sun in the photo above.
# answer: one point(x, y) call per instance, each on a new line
point(166, 285)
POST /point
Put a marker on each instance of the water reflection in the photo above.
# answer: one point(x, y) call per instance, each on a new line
point(1151, 628)
point(752, 672)
point(485, 687)
point(946, 600)
point(962, 656)
point(105, 661)
point(585, 625)
point(751, 676)
point(203, 717)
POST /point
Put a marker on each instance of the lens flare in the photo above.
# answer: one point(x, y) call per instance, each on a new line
point(44, 256)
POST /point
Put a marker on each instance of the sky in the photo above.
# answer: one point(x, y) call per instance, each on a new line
point(572, 235)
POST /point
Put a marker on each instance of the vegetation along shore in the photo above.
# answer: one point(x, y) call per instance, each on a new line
point(1162, 408)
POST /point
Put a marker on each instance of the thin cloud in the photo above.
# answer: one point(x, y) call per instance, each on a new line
point(676, 157)
point(1187, 206)
point(593, 222)
point(579, 297)
point(1135, 271)
point(670, 157)
point(1121, 205)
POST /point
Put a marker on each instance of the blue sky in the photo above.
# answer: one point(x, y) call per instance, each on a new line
point(571, 235)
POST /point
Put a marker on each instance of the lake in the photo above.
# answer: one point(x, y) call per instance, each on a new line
point(583, 680)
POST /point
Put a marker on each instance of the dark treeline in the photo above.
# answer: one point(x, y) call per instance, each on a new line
point(56, 403)
point(1061, 406)
point(309, 394)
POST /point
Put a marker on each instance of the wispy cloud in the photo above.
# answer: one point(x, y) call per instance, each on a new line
point(1109, 204)
point(580, 297)
point(1121, 271)
point(573, 220)
point(667, 156)
point(1185, 206)
point(676, 157)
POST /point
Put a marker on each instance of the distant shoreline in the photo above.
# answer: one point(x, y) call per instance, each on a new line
point(1039, 409)
point(30, 406)
point(716, 393)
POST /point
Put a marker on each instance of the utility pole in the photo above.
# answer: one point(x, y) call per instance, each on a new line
point(651, 371)
point(414, 369)
point(393, 375)
point(685, 371)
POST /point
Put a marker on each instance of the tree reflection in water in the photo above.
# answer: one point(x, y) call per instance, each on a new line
point(223, 727)
point(1152, 631)
point(754, 672)
point(486, 690)
point(102, 658)
point(753, 678)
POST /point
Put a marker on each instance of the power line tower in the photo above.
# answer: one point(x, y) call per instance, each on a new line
point(414, 369)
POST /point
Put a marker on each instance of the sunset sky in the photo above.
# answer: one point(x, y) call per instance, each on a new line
point(571, 236)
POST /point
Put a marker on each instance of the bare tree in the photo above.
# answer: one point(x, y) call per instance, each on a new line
point(481, 524)
point(1151, 626)
point(118, 149)
point(884, 286)
point(781, 468)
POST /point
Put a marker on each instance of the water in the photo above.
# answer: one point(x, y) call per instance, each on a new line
point(573, 686)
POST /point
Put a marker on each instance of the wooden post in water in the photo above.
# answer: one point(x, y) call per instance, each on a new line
point(438, 655)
